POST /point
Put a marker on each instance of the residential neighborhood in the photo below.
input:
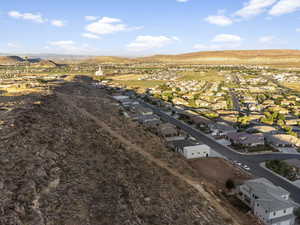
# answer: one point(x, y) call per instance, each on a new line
point(240, 114)
point(249, 114)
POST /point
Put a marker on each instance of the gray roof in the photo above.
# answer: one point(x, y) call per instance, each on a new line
point(269, 195)
point(142, 110)
point(245, 138)
point(167, 129)
point(182, 143)
point(223, 126)
point(148, 118)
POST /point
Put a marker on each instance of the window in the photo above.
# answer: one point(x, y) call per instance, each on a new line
point(257, 205)
point(274, 213)
point(284, 211)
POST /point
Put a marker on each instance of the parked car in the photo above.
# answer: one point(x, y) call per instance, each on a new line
point(246, 167)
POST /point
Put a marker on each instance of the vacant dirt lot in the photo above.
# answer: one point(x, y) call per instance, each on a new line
point(217, 171)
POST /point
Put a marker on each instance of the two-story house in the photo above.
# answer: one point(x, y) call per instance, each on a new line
point(270, 203)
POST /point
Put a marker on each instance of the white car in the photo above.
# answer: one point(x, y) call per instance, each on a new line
point(246, 167)
point(238, 163)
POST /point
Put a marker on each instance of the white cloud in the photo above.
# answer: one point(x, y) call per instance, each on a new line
point(219, 20)
point(107, 25)
point(254, 7)
point(182, 0)
point(90, 18)
point(298, 30)
point(58, 23)
point(221, 42)
point(271, 40)
point(176, 38)
point(143, 43)
point(90, 36)
point(284, 7)
point(227, 38)
point(267, 39)
point(62, 43)
point(13, 45)
point(71, 47)
point(38, 18)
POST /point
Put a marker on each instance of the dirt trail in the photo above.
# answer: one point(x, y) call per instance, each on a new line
point(130, 146)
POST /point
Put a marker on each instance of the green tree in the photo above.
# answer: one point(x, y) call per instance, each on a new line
point(280, 123)
point(297, 213)
point(178, 89)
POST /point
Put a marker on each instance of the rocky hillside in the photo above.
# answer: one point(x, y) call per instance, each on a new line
point(69, 158)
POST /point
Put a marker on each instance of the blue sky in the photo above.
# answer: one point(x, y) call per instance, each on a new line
point(145, 27)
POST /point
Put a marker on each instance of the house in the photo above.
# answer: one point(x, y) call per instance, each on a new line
point(141, 110)
point(245, 139)
point(263, 129)
point(221, 129)
point(269, 203)
point(179, 101)
point(279, 110)
point(219, 105)
point(149, 120)
point(283, 140)
point(292, 121)
point(189, 148)
point(286, 102)
point(167, 130)
point(231, 119)
point(120, 97)
point(269, 102)
point(200, 121)
point(129, 102)
point(202, 103)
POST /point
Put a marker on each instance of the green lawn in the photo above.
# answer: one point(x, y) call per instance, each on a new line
point(211, 76)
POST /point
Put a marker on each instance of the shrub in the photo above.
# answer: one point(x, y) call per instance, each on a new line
point(230, 184)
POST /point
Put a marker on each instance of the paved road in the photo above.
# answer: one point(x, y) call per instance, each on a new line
point(253, 161)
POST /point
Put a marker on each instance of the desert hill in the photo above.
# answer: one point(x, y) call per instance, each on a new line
point(45, 63)
point(10, 60)
point(260, 57)
point(231, 57)
point(36, 62)
point(108, 59)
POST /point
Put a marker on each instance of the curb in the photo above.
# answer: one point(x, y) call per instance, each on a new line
point(263, 165)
